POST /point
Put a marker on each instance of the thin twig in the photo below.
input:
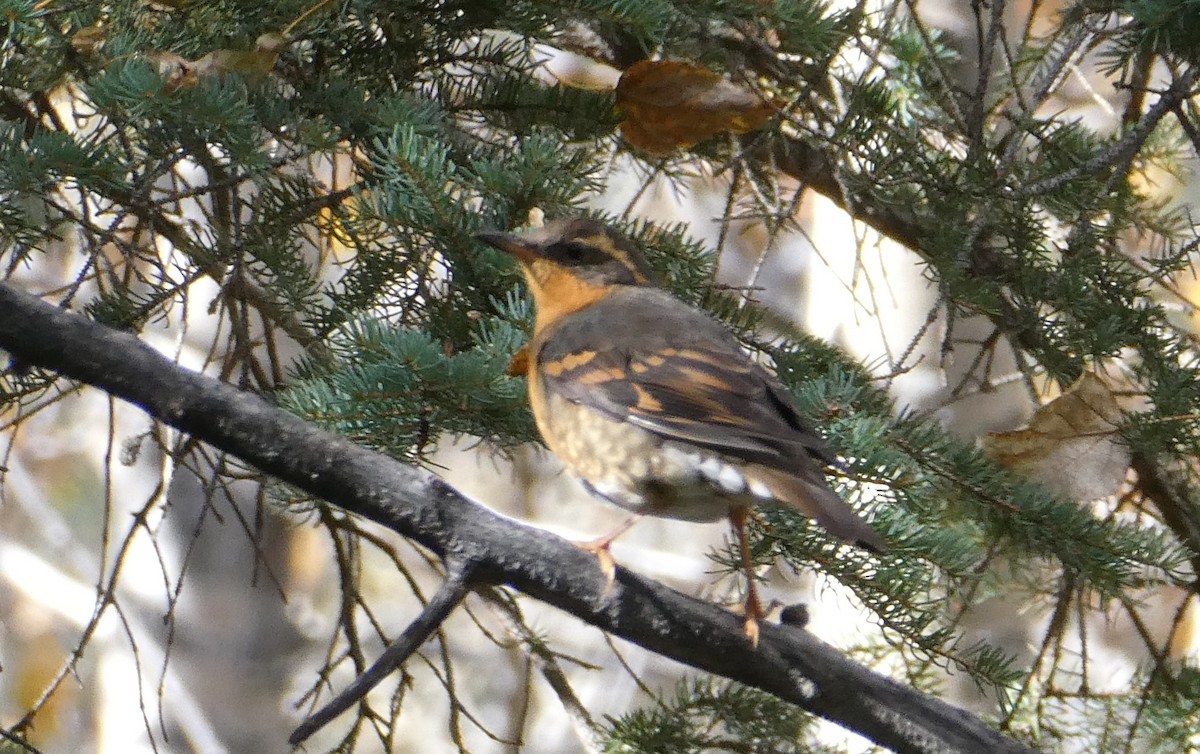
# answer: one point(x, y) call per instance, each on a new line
point(452, 592)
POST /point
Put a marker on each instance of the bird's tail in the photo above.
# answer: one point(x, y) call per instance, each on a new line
point(817, 501)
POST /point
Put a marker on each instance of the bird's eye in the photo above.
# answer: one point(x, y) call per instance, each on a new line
point(575, 253)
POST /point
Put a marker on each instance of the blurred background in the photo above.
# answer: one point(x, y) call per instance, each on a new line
point(150, 604)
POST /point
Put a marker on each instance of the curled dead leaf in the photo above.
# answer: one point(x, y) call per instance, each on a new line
point(1072, 445)
point(176, 70)
point(669, 104)
point(518, 365)
point(181, 73)
point(86, 40)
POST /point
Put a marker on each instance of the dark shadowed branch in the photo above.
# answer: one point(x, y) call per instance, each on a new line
point(789, 662)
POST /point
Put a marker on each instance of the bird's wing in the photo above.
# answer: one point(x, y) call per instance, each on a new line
point(682, 376)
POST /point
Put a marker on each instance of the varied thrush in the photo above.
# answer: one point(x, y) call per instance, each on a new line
point(654, 404)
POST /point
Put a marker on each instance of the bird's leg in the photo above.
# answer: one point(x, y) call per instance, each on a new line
point(752, 611)
point(599, 547)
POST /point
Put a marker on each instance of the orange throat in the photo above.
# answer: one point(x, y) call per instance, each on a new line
point(557, 293)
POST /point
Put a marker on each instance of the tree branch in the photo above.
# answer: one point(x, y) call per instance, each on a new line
point(449, 596)
point(789, 662)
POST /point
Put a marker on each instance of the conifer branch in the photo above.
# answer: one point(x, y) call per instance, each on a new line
point(789, 662)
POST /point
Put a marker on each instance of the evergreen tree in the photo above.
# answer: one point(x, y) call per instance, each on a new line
point(312, 175)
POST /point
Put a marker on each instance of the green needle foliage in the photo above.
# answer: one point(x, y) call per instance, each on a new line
point(327, 194)
point(703, 715)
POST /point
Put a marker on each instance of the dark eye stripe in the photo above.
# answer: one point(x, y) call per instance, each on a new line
point(575, 253)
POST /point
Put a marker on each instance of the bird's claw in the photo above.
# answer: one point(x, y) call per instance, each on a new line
point(608, 566)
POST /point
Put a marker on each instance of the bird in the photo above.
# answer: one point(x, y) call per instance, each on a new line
point(654, 404)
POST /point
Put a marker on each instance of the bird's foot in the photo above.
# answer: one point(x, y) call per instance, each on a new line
point(608, 566)
point(753, 614)
point(600, 548)
point(752, 610)
point(750, 629)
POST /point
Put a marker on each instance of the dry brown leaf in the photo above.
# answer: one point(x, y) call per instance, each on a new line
point(257, 62)
point(86, 40)
point(669, 104)
point(181, 73)
point(1072, 445)
point(176, 70)
point(518, 365)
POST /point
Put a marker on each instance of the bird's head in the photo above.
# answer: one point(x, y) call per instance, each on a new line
point(580, 248)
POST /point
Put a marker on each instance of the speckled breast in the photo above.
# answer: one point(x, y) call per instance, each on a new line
point(639, 471)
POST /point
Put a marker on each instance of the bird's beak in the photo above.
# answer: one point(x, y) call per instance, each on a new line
point(520, 248)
